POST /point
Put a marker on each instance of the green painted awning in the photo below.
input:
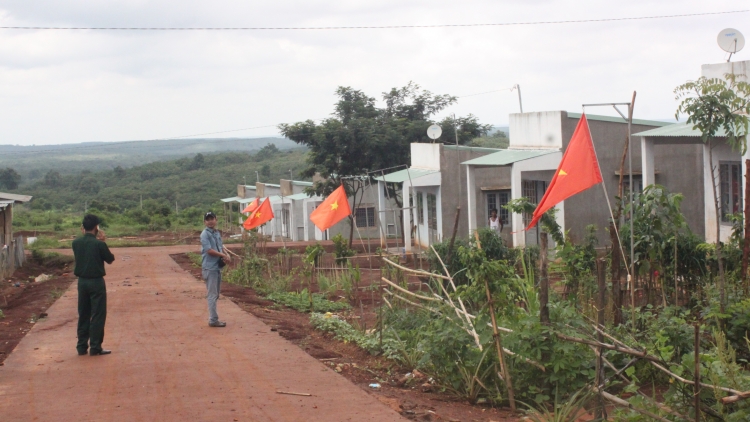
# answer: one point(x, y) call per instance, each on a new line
point(508, 156)
point(403, 175)
point(232, 199)
point(682, 129)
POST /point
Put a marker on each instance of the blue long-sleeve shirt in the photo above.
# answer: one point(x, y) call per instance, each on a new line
point(210, 239)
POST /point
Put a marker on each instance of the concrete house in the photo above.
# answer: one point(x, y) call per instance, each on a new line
point(682, 140)
point(441, 177)
point(434, 185)
point(292, 208)
point(11, 249)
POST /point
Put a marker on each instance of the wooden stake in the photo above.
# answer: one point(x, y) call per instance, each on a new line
point(746, 243)
point(543, 281)
point(601, 304)
point(495, 334)
point(697, 376)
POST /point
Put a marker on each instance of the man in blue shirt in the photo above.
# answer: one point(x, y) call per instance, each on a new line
point(213, 253)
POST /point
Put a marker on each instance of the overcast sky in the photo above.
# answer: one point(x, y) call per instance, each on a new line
point(80, 86)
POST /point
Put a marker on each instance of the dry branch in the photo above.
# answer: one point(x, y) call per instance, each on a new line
point(420, 272)
point(401, 289)
point(623, 403)
point(735, 398)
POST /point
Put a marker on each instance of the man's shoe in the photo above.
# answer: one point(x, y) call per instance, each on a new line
point(217, 324)
point(82, 352)
point(100, 352)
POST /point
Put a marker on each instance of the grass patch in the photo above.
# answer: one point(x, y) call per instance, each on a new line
point(343, 331)
point(56, 293)
point(301, 301)
point(51, 259)
point(196, 259)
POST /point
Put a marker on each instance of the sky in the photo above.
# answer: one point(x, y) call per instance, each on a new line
point(84, 86)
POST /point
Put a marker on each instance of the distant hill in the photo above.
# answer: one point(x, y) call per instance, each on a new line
point(199, 180)
point(33, 162)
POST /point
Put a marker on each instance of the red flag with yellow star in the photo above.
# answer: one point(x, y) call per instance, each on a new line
point(578, 171)
point(251, 206)
point(262, 215)
point(332, 210)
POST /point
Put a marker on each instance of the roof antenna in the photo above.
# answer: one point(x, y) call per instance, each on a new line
point(731, 41)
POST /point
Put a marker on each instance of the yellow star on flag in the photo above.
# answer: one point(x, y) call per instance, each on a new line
point(335, 206)
point(562, 173)
point(257, 215)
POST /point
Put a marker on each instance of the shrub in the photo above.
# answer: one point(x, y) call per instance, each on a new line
point(341, 249)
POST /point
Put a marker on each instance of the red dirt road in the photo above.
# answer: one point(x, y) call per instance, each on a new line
point(167, 364)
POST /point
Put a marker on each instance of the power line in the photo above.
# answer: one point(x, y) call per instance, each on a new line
point(319, 28)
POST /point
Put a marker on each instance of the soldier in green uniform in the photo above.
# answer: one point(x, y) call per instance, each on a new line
point(91, 253)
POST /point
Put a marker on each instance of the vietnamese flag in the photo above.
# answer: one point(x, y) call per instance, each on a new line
point(578, 171)
point(332, 210)
point(262, 215)
point(251, 206)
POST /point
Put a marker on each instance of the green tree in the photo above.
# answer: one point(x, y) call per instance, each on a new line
point(714, 106)
point(198, 162)
point(265, 171)
point(9, 178)
point(53, 179)
point(266, 152)
point(119, 172)
point(361, 137)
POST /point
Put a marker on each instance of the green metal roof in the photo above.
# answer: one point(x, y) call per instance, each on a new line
point(614, 119)
point(246, 200)
point(403, 175)
point(675, 130)
point(301, 183)
point(297, 196)
point(508, 156)
point(469, 148)
point(232, 199)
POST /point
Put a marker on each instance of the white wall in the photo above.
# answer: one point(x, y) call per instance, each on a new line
point(425, 156)
point(539, 130)
point(721, 152)
point(718, 70)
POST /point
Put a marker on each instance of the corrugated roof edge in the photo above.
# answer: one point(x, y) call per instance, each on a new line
point(466, 147)
point(573, 115)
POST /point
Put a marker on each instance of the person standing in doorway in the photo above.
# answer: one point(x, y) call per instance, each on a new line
point(496, 224)
point(214, 258)
point(91, 253)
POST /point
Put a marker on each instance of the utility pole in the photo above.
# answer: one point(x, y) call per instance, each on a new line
point(141, 201)
point(290, 175)
point(257, 178)
point(176, 210)
point(518, 88)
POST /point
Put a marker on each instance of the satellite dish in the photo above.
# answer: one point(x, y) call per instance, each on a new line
point(434, 131)
point(731, 40)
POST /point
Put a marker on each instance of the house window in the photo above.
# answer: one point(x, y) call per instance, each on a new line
point(365, 217)
point(637, 184)
point(420, 208)
point(495, 201)
point(730, 184)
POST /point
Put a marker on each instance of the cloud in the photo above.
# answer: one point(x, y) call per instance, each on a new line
point(78, 86)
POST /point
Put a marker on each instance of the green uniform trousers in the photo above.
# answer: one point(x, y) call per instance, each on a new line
point(92, 313)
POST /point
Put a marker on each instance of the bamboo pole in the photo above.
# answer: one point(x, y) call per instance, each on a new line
point(420, 272)
point(697, 376)
point(602, 286)
point(495, 335)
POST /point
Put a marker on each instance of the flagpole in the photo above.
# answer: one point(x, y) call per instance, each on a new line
point(606, 196)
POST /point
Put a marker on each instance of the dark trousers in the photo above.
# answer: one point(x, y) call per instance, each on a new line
point(92, 313)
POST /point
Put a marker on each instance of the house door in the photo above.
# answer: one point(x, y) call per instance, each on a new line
point(432, 225)
point(319, 235)
point(534, 190)
point(285, 220)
